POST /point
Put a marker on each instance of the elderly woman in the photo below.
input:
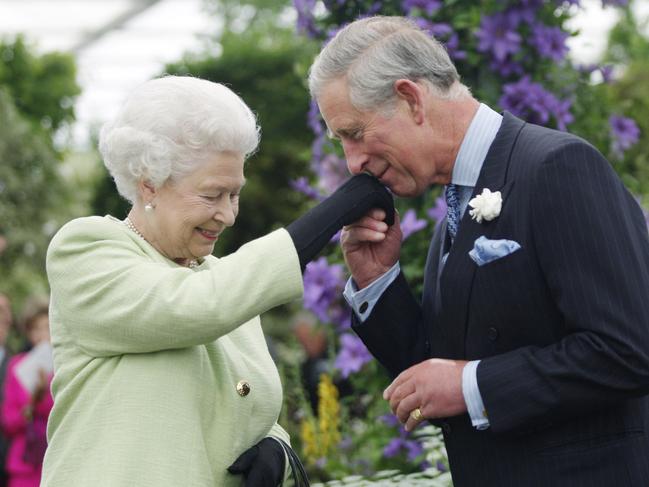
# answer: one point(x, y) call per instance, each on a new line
point(162, 374)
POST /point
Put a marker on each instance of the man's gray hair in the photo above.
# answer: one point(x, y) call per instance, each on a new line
point(169, 126)
point(375, 52)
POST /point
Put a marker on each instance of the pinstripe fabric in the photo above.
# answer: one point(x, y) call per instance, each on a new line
point(561, 326)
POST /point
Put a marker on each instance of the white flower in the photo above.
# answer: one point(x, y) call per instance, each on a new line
point(486, 206)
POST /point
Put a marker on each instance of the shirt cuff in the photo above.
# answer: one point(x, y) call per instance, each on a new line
point(472, 396)
point(363, 301)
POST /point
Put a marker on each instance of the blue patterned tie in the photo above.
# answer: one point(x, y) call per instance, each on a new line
point(452, 210)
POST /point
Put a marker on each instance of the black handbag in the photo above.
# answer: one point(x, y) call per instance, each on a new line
point(300, 478)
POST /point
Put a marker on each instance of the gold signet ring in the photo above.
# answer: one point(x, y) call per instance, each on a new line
point(416, 415)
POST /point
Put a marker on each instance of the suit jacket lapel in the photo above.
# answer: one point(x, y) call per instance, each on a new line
point(456, 280)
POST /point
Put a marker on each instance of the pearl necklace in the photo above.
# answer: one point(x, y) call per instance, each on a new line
point(129, 224)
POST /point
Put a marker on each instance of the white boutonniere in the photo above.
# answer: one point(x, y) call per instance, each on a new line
point(486, 206)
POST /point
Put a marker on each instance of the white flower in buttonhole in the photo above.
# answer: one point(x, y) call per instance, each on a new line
point(486, 206)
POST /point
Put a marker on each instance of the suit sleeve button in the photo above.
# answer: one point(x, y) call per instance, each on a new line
point(493, 334)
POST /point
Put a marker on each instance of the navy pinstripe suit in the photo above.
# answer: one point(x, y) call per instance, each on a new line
point(561, 326)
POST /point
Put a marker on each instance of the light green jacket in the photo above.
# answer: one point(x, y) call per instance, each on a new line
point(148, 355)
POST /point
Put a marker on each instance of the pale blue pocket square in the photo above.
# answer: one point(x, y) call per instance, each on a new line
point(485, 250)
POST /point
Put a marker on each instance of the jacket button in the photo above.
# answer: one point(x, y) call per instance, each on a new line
point(243, 388)
point(493, 334)
point(446, 428)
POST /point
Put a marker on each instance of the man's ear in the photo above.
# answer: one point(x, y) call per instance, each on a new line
point(413, 94)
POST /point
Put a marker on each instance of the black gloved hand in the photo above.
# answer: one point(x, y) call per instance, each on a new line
point(261, 465)
point(359, 194)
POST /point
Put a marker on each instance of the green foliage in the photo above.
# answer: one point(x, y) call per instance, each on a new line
point(36, 96)
point(629, 49)
point(29, 187)
point(43, 87)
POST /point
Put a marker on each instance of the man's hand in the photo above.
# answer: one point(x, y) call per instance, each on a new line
point(371, 247)
point(434, 386)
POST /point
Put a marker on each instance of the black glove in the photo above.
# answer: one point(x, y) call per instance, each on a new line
point(261, 465)
point(359, 194)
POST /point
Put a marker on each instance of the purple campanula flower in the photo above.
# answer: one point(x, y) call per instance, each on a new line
point(607, 73)
point(453, 48)
point(323, 285)
point(390, 420)
point(314, 120)
point(606, 70)
point(302, 185)
point(587, 68)
point(374, 8)
point(523, 13)
point(532, 102)
point(346, 443)
point(438, 30)
point(562, 115)
point(615, 3)
point(317, 150)
point(393, 448)
point(550, 42)
point(341, 316)
point(624, 132)
point(531, 3)
point(414, 449)
point(352, 356)
point(411, 224)
point(403, 442)
point(438, 212)
point(497, 35)
point(305, 18)
point(332, 172)
point(445, 34)
point(428, 6)
point(506, 68)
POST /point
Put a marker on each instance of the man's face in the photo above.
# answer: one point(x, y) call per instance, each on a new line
point(400, 150)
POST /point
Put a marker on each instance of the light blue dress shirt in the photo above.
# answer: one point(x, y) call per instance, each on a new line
point(473, 151)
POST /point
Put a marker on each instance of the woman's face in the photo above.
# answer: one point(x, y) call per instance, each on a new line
point(190, 214)
point(40, 330)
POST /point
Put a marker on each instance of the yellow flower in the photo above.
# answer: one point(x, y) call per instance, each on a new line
point(320, 439)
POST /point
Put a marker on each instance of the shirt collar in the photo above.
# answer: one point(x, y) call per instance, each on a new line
point(473, 151)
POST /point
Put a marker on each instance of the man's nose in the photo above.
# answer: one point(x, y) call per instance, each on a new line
point(356, 160)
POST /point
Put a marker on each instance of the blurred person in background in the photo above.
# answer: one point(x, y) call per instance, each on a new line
point(314, 343)
point(163, 377)
point(6, 321)
point(27, 402)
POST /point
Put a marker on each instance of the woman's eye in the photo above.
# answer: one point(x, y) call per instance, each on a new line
point(211, 198)
point(234, 197)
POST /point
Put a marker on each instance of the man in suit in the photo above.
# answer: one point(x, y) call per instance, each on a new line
point(534, 357)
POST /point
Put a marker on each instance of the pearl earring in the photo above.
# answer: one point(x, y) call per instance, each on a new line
point(148, 207)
